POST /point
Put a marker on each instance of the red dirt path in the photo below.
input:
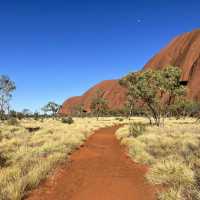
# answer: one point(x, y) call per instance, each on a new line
point(100, 170)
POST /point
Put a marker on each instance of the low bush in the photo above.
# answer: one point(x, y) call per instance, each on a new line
point(119, 119)
point(136, 129)
point(67, 120)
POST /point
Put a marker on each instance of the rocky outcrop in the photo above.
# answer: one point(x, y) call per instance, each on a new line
point(68, 106)
point(183, 52)
point(112, 91)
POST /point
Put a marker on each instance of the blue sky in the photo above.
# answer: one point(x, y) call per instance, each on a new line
point(57, 49)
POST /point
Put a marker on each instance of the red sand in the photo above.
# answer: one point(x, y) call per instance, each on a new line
point(100, 170)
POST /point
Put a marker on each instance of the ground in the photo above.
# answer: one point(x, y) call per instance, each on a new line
point(31, 155)
point(78, 162)
point(98, 171)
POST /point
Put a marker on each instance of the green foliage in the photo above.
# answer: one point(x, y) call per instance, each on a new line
point(67, 120)
point(136, 129)
point(78, 110)
point(119, 119)
point(99, 105)
point(185, 108)
point(150, 87)
point(26, 112)
point(51, 108)
point(36, 116)
point(13, 113)
point(20, 115)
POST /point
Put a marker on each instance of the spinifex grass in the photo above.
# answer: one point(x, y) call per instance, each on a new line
point(31, 155)
point(173, 153)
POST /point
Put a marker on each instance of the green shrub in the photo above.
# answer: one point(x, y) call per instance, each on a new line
point(36, 116)
point(136, 129)
point(119, 119)
point(20, 116)
point(67, 120)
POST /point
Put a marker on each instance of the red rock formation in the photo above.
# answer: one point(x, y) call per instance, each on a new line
point(68, 105)
point(183, 52)
point(113, 92)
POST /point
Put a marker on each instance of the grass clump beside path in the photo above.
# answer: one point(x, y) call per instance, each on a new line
point(28, 156)
point(173, 153)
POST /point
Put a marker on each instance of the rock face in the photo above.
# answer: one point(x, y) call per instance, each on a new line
point(183, 52)
point(113, 92)
point(68, 105)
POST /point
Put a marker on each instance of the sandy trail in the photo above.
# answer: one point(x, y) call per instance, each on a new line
point(100, 170)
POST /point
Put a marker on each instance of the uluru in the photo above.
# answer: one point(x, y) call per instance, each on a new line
point(183, 51)
point(113, 92)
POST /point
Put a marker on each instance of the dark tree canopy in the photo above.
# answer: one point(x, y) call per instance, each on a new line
point(154, 90)
point(51, 108)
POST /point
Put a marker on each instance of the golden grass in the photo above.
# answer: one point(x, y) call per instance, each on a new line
point(173, 153)
point(32, 155)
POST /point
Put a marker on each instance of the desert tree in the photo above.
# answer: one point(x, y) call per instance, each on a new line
point(185, 108)
point(36, 115)
point(51, 108)
point(99, 105)
point(78, 110)
point(130, 106)
point(155, 91)
point(7, 86)
point(26, 112)
point(13, 113)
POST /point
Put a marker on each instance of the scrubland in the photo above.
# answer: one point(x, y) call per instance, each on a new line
point(30, 150)
point(172, 152)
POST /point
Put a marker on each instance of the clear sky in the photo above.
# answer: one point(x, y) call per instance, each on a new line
point(54, 49)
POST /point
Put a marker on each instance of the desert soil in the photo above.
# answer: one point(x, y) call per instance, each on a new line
point(99, 170)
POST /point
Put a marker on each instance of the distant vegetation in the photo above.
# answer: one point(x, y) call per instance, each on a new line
point(51, 108)
point(79, 111)
point(155, 94)
point(99, 105)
